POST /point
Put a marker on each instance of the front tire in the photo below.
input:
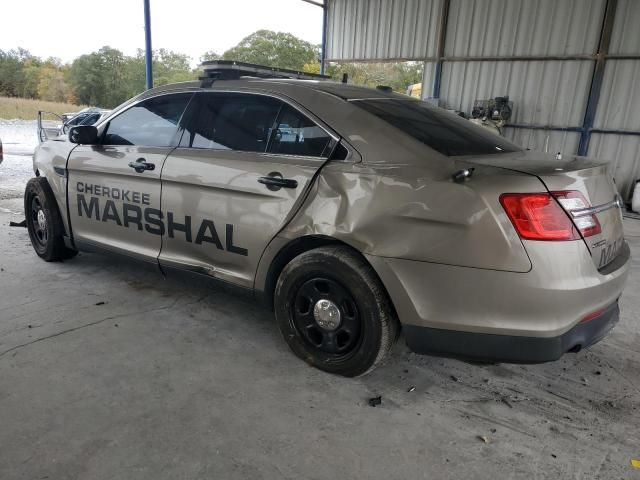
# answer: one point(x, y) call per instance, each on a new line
point(334, 312)
point(44, 222)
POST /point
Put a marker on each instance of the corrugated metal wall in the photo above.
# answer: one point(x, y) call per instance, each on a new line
point(382, 29)
point(542, 53)
point(483, 28)
point(544, 93)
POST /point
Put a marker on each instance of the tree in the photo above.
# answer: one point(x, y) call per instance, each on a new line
point(274, 49)
point(210, 55)
point(31, 78)
point(11, 71)
point(398, 76)
point(98, 78)
point(170, 67)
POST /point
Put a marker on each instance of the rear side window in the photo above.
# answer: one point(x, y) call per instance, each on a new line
point(153, 122)
point(295, 134)
point(231, 122)
point(251, 123)
point(443, 131)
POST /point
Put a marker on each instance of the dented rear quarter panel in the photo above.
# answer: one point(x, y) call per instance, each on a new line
point(416, 214)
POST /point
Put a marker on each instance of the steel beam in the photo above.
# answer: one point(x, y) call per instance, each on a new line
point(598, 76)
point(317, 4)
point(323, 54)
point(574, 129)
point(147, 45)
point(442, 38)
point(501, 58)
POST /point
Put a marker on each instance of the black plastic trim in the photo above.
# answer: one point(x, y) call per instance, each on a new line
point(510, 348)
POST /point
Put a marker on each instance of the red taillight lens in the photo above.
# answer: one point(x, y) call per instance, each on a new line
point(592, 315)
point(538, 216)
point(573, 201)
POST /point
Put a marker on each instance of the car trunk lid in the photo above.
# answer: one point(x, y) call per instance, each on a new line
point(590, 179)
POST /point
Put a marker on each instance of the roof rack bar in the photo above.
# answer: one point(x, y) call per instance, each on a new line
point(232, 70)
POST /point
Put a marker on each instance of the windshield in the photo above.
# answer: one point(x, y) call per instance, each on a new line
point(437, 128)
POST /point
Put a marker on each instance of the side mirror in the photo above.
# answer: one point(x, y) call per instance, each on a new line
point(83, 134)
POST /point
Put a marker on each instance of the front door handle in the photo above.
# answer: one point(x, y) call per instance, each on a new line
point(140, 165)
point(274, 181)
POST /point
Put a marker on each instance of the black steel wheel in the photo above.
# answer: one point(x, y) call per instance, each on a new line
point(326, 316)
point(44, 222)
point(334, 312)
point(39, 222)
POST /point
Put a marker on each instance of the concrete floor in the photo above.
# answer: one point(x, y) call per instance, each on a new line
point(110, 371)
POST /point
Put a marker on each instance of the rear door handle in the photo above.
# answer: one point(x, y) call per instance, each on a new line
point(140, 165)
point(274, 181)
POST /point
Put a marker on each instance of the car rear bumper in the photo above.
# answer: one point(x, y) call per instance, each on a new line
point(510, 348)
point(464, 305)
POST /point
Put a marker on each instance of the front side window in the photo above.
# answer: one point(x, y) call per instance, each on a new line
point(443, 131)
point(231, 121)
point(295, 134)
point(152, 123)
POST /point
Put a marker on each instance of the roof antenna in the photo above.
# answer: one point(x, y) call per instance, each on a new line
point(345, 77)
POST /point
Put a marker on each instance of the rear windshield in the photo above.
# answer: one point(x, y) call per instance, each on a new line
point(443, 131)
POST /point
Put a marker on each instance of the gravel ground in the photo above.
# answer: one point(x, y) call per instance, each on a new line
point(110, 371)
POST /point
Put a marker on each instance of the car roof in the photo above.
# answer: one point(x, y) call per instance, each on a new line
point(342, 90)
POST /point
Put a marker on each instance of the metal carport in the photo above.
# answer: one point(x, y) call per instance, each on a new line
point(571, 67)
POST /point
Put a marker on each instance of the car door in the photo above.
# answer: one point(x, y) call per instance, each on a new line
point(243, 163)
point(114, 187)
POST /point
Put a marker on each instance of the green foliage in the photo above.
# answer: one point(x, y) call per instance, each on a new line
point(107, 78)
point(171, 67)
point(398, 76)
point(12, 78)
point(210, 55)
point(98, 78)
point(168, 67)
point(274, 49)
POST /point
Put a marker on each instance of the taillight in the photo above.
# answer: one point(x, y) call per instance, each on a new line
point(592, 315)
point(573, 201)
point(538, 216)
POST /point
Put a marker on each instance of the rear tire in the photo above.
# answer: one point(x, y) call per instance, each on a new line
point(44, 221)
point(334, 312)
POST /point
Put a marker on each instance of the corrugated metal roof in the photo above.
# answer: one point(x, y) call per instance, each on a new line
point(544, 140)
point(543, 93)
point(625, 38)
point(523, 27)
point(382, 29)
point(619, 104)
point(622, 152)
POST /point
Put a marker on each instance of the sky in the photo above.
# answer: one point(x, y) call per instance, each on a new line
point(68, 29)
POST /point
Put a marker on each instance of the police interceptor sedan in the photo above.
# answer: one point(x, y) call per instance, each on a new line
point(353, 212)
